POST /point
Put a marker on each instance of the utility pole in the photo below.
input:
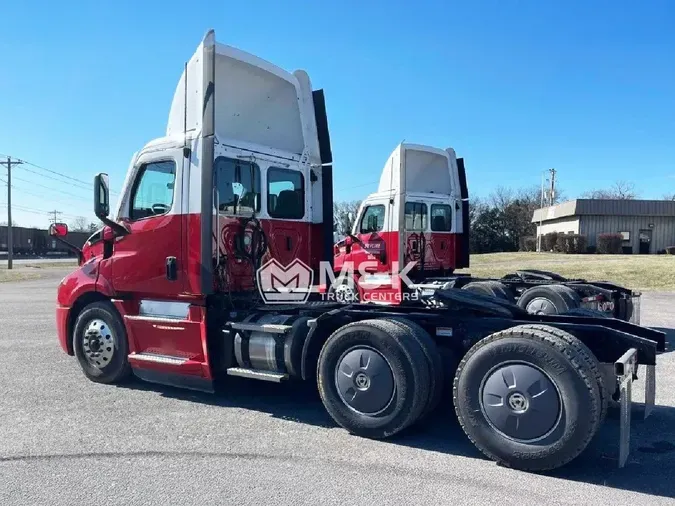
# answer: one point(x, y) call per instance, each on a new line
point(56, 215)
point(10, 243)
point(546, 197)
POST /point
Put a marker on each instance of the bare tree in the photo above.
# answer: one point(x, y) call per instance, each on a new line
point(80, 224)
point(344, 214)
point(669, 196)
point(93, 227)
point(4, 223)
point(620, 190)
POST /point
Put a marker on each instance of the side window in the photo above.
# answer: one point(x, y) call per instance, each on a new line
point(441, 218)
point(415, 216)
point(238, 184)
point(373, 219)
point(285, 194)
point(153, 191)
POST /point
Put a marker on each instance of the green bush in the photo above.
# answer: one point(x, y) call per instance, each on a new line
point(571, 243)
point(528, 243)
point(609, 244)
point(549, 241)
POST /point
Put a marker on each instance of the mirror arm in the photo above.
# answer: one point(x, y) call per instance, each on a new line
point(119, 230)
point(357, 240)
point(71, 247)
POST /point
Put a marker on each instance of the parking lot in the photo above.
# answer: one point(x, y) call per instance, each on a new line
point(65, 440)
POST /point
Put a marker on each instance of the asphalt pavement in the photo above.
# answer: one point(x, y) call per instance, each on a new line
point(67, 441)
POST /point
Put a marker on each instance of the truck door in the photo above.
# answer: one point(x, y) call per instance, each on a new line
point(288, 228)
point(148, 262)
point(415, 236)
point(373, 245)
point(442, 238)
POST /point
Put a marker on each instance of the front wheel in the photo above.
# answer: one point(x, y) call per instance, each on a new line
point(100, 343)
point(344, 291)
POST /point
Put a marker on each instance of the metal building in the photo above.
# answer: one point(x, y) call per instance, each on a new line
point(647, 226)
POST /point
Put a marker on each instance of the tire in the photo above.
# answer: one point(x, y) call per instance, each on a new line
point(550, 360)
point(492, 288)
point(433, 358)
point(573, 298)
point(546, 300)
point(406, 362)
point(110, 363)
point(585, 354)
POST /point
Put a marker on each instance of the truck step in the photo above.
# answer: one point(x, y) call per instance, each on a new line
point(158, 359)
point(270, 328)
point(275, 377)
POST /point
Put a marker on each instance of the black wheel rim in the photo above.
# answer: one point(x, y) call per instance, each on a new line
point(520, 401)
point(364, 380)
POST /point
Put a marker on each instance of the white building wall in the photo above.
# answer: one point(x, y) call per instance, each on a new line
point(563, 225)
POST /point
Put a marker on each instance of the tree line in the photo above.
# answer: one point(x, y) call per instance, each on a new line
point(502, 220)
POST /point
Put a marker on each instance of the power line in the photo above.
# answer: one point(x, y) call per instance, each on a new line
point(357, 186)
point(41, 211)
point(52, 171)
point(57, 180)
point(57, 173)
point(51, 189)
point(22, 190)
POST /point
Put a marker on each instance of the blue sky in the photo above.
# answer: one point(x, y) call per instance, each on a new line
point(515, 87)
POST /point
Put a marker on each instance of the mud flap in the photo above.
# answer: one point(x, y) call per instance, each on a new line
point(626, 371)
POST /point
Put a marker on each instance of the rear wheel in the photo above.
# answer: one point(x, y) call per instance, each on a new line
point(100, 343)
point(527, 399)
point(492, 288)
point(434, 361)
point(549, 299)
point(591, 362)
point(373, 378)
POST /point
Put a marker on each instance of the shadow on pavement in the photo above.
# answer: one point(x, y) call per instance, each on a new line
point(670, 337)
point(650, 468)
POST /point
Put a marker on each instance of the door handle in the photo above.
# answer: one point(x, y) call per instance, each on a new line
point(171, 269)
point(289, 243)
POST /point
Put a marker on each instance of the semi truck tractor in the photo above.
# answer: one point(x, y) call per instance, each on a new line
point(207, 269)
point(419, 217)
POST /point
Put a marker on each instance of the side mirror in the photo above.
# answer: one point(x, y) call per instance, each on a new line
point(102, 205)
point(101, 197)
point(58, 230)
point(348, 244)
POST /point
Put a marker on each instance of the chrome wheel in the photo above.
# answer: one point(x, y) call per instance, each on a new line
point(540, 305)
point(98, 343)
point(345, 293)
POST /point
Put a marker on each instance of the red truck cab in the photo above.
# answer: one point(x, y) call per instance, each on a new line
point(245, 157)
point(416, 222)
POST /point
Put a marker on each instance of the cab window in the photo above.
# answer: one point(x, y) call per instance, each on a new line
point(152, 194)
point(285, 194)
point(441, 218)
point(415, 216)
point(373, 220)
point(238, 184)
